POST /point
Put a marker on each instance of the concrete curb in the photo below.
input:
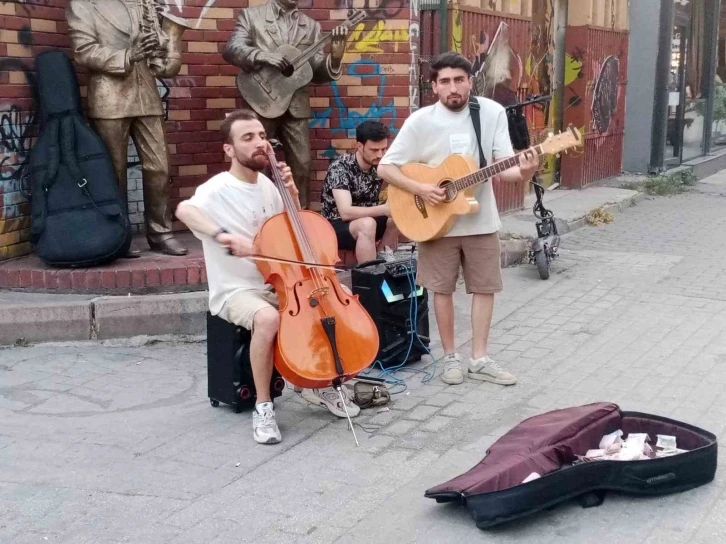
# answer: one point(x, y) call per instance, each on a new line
point(565, 227)
point(45, 322)
point(515, 249)
point(104, 318)
point(121, 317)
point(109, 317)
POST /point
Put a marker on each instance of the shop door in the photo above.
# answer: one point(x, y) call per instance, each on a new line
point(677, 93)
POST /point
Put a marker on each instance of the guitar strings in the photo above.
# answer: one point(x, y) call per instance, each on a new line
point(489, 171)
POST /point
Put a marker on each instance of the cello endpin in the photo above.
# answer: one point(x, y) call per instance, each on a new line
point(345, 407)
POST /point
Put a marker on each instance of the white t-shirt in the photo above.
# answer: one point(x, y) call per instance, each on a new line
point(431, 134)
point(241, 208)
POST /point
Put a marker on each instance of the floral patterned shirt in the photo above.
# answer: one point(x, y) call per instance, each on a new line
point(345, 173)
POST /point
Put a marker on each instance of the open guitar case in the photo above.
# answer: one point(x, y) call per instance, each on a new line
point(547, 444)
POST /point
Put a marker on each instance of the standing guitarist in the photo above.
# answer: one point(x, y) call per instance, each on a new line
point(259, 32)
point(428, 136)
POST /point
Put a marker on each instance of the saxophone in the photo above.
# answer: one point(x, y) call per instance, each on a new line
point(166, 60)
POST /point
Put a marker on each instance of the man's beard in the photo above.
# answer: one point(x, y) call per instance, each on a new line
point(455, 103)
point(371, 162)
point(257, 162)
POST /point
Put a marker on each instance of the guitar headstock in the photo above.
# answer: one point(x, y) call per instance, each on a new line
point(557, 143)
point(354, 17)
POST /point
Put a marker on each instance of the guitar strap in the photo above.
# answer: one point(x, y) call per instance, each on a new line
point(474, 107)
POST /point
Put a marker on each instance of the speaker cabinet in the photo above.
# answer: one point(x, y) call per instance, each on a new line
point(229, 373)
point(386, 293)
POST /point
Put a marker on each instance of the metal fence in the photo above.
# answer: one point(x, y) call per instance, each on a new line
point(595, 102)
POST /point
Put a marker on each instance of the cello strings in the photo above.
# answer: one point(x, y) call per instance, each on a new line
point(303, 239)
point(297, 225)
point(295, 221)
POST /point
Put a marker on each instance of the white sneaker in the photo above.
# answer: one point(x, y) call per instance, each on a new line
point(264, 425)
point(330, 399)
point(453, 374)
point(486, 369)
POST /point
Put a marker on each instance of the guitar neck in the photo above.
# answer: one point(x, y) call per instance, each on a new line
point(311, 51)
point(480, 176)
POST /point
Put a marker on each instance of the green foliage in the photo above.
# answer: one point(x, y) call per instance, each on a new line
point(666, 184)
point(719, 103)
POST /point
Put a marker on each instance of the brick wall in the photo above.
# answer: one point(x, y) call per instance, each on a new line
point(379, 82)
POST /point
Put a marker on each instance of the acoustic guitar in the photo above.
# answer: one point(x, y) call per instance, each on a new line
point(269, 91)
point(458, 176)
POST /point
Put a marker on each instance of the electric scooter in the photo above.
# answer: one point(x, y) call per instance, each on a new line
point(545, 247)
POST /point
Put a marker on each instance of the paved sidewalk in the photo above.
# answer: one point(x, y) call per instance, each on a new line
point(116, 441)
point(34, 317)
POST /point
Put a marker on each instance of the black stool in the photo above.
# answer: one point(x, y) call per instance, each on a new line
point(229, 372)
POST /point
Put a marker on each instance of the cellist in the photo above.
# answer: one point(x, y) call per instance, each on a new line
point(225, 213)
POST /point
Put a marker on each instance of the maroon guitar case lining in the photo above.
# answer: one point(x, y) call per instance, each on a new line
point(548, 445)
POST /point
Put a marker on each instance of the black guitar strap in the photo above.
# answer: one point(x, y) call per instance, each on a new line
point(474, 107)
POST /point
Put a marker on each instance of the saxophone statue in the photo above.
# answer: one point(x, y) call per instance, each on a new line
point(166, 61)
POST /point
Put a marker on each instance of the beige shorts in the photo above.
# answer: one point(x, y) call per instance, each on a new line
point(439, 262)
point(241, 307)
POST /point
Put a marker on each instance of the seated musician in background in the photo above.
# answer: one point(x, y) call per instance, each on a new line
point(350, 197)
point(226, 213)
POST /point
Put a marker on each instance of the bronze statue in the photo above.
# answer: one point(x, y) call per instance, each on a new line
point(280, 51)
point(125, 48)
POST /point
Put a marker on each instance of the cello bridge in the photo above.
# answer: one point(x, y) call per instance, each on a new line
point(319, 291)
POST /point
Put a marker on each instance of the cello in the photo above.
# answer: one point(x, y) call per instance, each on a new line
point(325, 336)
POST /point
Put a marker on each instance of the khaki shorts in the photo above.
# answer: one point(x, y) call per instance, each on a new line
point(241, 307)
point(439, 262)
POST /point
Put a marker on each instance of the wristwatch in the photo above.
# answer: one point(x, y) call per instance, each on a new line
point(220, 231)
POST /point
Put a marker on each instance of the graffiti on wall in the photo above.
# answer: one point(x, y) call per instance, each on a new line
point(16, 126)
point(377, 9)
point(497, 68)
point(342, 120)
point(362, 40)
point(605, 95)
point(179, 5)
point(413, 66)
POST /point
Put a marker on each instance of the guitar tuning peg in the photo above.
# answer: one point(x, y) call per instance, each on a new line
point(558, 155)
point(551, 134)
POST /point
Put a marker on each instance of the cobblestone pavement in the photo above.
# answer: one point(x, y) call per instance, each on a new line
point(117, 442)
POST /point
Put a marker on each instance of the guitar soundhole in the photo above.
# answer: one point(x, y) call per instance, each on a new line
point(288, 71)
point(421, 206)
point(450, 189)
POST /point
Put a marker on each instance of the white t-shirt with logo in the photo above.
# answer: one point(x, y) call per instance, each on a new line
point(241, 208)
point(431, 134)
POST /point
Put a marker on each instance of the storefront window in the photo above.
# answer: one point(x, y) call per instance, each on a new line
point(719, 98)
point(688, 88)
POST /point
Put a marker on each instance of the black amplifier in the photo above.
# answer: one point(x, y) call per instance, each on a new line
point(229, 372)
point(387, 293)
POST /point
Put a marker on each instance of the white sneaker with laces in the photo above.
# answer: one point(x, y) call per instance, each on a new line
point(487, 370)
point(453, 374)
point(330, 399)
point(264, 425)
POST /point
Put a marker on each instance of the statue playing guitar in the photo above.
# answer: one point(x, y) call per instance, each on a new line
point(280, 51)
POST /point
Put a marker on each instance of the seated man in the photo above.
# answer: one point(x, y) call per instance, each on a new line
point(351, 194)
point(226, 213)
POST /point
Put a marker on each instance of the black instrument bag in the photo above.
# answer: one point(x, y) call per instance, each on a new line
point(78, 216)
point(547, 444)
